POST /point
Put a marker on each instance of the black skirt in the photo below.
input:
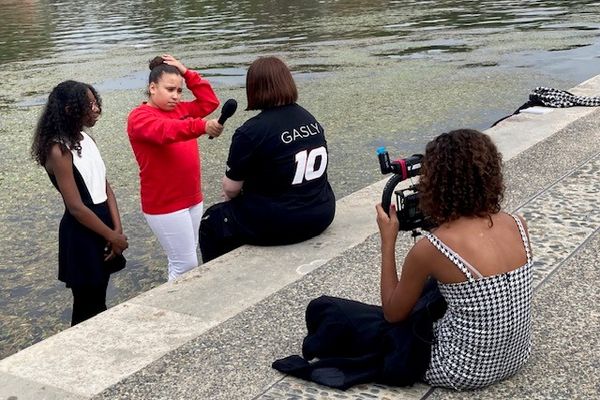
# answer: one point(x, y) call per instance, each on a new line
point(81, 251)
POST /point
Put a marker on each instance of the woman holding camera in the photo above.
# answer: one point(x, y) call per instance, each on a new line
point(476, 266)
point(479, 256)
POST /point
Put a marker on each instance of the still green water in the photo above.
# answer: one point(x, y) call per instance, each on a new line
point(392, 73)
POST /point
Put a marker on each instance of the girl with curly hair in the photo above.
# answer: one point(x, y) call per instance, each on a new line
point(479, 256)
point(459, 316)
point(90, 232)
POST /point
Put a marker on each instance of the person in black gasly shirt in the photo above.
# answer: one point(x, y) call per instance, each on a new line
point(275, 184)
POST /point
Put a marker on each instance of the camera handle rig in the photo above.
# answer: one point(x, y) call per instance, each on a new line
point(407, 200)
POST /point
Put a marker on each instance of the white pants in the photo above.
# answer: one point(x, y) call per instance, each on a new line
point(177, 233)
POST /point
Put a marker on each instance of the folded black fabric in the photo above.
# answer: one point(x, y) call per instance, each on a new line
point(339, 373)
point(351, 343)
point(341, 327)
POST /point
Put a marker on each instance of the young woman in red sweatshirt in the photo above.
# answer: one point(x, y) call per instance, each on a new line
point(163, 133)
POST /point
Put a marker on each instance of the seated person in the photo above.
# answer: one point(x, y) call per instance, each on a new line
point(478, 261)
point(275, 184)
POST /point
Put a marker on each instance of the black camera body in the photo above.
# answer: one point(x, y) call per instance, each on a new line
point(410, 216)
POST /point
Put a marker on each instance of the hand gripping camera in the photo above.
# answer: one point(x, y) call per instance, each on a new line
point(409, 214)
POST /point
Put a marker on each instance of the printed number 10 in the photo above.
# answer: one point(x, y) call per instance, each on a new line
point(305, 165)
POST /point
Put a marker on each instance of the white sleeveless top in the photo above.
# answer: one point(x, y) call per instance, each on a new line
point(485, 335)
point(92, 169)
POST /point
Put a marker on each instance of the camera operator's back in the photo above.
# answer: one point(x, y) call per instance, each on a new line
point(490, 246)
point(485, 276)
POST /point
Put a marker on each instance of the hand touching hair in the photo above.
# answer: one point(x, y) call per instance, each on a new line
point(165, 64)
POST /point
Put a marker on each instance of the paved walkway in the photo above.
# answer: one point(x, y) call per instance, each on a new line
point(214, 334)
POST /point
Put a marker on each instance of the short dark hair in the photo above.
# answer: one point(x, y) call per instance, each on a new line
point(461, 176)
point(158, 67)
point(269, 83)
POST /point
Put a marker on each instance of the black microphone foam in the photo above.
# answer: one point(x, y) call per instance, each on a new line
point(227, 110)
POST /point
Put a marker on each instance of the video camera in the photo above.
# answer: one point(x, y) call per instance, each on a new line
point(409, 214)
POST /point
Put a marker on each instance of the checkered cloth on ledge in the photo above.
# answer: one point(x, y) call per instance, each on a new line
point(558, 98)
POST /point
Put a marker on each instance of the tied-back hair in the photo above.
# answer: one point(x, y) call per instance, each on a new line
point(61, 120)
point(269, 83)
point(158, 68)
point(461, 176)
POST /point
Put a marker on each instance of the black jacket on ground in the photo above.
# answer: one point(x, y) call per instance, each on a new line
point(354, 344)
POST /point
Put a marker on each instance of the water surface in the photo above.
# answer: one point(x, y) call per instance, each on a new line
point(392, 73)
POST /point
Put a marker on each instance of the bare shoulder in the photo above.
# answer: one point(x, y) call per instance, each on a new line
point(449, 232)
point(58, 151)
point(421, 254)
point(510, 221)
point(523, 221)
point(57, 155)
point(525, 228)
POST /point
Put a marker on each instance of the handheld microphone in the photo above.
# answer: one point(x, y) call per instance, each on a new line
point(227, 111)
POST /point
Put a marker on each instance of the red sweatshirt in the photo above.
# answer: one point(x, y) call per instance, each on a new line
point(166, 149)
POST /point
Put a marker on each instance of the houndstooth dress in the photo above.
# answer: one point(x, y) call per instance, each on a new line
point(485, 335)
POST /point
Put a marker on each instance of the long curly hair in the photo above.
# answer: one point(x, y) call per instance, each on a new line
point(461, 176)
point(62, 119)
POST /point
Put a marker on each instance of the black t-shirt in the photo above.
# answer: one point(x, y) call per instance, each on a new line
point(281, 155)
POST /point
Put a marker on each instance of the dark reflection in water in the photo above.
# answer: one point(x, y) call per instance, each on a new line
point(39, 29)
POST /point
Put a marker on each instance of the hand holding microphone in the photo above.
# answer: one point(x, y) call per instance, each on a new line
point(213, 128)
point(227, 111)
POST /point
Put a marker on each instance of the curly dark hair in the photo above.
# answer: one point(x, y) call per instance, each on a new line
point(62, 119)
point(461, 176)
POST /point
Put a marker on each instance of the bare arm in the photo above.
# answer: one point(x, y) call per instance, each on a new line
point(114, 215)
point(114, 209)
point(61, 165)
point(398, 297)
point(231, 188)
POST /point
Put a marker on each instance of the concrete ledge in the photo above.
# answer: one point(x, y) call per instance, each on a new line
point(14, 388)
point(83, 361)
point(97, 353)
point(227, 285)
point(519, 132)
